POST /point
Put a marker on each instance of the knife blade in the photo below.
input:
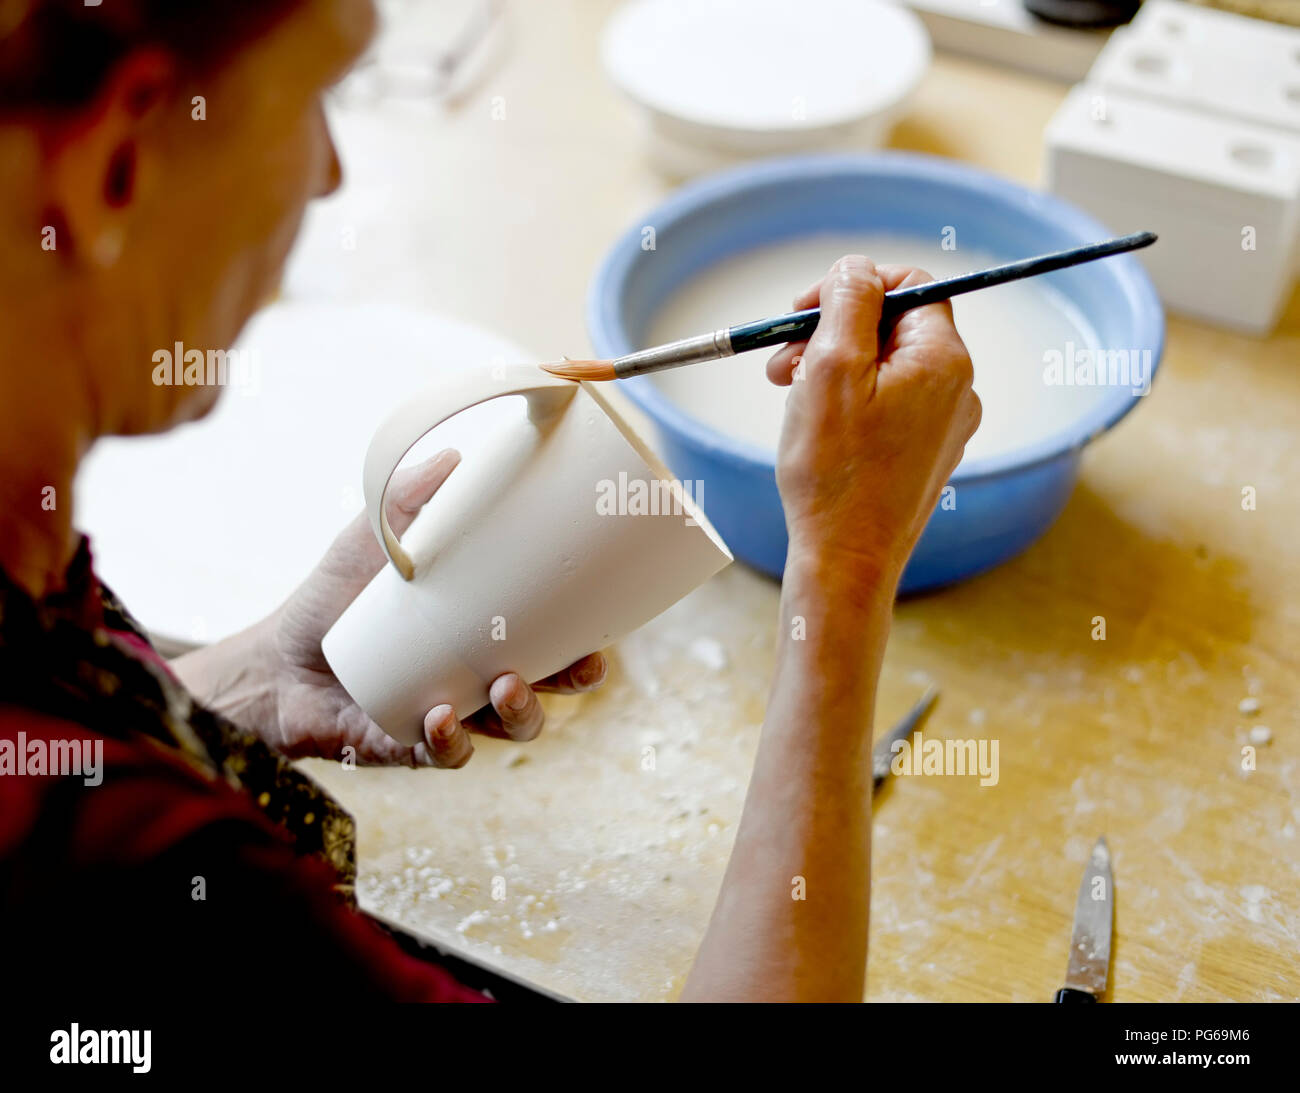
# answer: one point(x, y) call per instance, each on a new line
point(882, 755)
point(1085, 975)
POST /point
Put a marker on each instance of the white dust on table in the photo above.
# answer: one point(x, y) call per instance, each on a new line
point(1210, 454)
point(1186, 980)
point(1208, 907)
point(606, 838)
point(1254, 897)
point(587, 860)
point(920, 678)
point(980, 866)
point(710, 652)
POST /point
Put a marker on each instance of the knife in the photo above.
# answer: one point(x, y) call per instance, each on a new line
point(882, 755)
point(1085, 977)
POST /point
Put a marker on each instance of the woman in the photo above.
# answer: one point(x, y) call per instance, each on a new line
point(157, 159)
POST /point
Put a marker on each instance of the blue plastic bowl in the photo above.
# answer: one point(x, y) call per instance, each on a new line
point(1005, 501)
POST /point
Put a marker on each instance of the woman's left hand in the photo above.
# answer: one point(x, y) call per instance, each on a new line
point(274, 680)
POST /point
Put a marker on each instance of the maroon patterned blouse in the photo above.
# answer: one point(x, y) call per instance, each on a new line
point(149, 846)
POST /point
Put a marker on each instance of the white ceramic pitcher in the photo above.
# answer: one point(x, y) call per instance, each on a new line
point(525, 560)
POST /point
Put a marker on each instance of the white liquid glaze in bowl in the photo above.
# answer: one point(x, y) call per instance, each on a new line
point(1014, 482)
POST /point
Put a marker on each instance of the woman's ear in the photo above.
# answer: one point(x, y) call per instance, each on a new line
point(97, 157)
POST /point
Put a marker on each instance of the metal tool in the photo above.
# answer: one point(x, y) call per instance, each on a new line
point(882, 754)
point(1085, 977)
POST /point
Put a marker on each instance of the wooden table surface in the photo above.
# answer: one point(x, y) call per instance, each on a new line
point(570, 862)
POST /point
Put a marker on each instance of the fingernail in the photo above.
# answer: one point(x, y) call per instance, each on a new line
point(518, 696)
point(591, 673)
point(444, 722)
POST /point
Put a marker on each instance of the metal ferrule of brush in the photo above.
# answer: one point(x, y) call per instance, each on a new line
point(704, 347)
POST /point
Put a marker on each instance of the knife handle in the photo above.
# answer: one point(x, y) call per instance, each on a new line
point(1069, 994)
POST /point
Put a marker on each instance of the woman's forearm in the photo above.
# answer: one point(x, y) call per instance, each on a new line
point(790, 923)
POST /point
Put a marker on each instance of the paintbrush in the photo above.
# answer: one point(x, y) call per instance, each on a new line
point(799, 325)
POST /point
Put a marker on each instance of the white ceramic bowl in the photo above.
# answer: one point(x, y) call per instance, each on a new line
point(720, 81)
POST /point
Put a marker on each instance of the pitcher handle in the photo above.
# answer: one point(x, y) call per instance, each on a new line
point(428, 409)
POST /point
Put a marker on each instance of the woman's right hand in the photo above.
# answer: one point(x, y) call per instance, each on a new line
point(870, 437)
point(871, 433)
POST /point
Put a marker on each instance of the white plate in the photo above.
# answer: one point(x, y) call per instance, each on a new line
point(207, 528)
point(763, 76)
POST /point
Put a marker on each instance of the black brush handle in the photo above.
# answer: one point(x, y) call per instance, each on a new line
point(795, 327)
point(799, 325)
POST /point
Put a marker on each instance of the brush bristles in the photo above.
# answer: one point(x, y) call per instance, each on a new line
point(581, 370)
